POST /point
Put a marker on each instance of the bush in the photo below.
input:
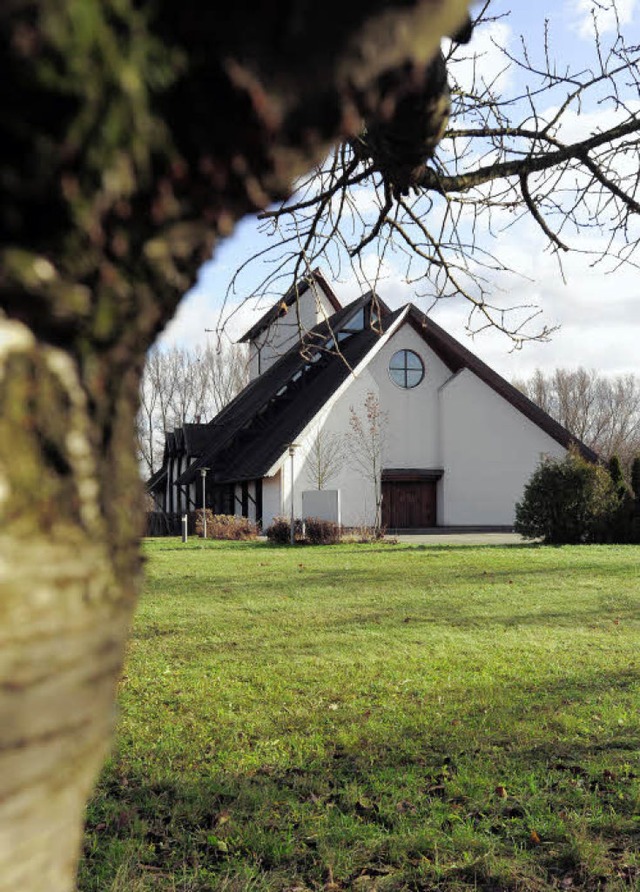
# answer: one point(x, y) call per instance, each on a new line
point(622, 526)
point(279, 533)
point(635, 476)
point(226, 526)
point(568, 501)
point(615, 471)
point(322, 532)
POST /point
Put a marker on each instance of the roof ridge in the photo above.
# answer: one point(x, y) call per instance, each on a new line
point(282, 303)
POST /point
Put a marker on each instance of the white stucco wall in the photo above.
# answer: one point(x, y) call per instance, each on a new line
point(485, 447)
point(272, 505)
point(490, 450)
point(412, 440)
point(313, 307)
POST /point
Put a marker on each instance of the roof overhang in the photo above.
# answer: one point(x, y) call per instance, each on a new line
point(411, 475)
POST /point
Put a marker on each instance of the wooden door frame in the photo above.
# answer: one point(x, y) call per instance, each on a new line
point(416, 476)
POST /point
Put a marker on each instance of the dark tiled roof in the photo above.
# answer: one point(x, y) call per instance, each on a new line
point(281, 306)
point(253, 431)
point(154, 482)
point(196, 438)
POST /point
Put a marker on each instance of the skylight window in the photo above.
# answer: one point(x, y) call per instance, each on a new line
point(356, 323)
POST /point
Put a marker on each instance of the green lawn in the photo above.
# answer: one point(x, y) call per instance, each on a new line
point(376, 717)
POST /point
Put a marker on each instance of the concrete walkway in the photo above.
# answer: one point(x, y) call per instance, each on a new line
point(459, 538)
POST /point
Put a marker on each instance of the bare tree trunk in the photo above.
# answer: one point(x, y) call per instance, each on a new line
point(70, 568)
point(133, 138)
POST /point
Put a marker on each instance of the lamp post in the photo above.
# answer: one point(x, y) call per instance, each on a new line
point(292, 449)
point(203, 474)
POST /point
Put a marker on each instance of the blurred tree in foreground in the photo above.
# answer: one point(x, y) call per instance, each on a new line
point(134, 135)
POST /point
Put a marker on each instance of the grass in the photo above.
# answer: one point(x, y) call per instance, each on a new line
point(375, 717)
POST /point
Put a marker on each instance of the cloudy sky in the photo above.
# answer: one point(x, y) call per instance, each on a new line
point(597, 312)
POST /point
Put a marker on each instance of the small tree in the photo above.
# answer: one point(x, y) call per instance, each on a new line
point(367, 447)
point(568, 501)
point(325, 458)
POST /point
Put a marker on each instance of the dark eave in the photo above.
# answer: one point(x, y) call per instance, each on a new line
point(411, 474)
point(195, 439)
point(456, 357)
point(153, 483)
point(281, 306)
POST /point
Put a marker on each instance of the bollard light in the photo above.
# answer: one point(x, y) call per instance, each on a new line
point(292, 449)
point(203, 474)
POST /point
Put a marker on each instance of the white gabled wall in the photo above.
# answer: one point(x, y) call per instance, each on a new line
point(413, 439)
point(486, 448)
point(490, 450)
point(413, 432)
point(313, 306)
point(272, 499)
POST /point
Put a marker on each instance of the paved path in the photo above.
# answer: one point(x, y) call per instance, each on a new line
point(460, 538)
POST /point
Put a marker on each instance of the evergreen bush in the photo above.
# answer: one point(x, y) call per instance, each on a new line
point(568, 501)
point(635, 476)
point(615, 471)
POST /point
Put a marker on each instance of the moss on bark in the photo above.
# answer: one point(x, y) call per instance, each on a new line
point(134, 135)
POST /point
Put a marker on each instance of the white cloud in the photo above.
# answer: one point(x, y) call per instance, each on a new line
point(482, 62)
point(608, 14)
point(200, 319)
point(597, 314)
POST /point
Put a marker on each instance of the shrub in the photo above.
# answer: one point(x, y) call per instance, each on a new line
point(615, 471)
point(279, 533)
point(322, 532)
point(226, 526)
point(568, 501)
point(635, 476)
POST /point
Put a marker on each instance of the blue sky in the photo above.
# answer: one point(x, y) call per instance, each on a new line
point(598, 313)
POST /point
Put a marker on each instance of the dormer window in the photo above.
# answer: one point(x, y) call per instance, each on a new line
point(356, 323)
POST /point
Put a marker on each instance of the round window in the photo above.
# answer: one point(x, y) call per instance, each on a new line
point(406, 369)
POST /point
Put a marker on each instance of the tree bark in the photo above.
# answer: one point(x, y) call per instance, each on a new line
point(135, 139)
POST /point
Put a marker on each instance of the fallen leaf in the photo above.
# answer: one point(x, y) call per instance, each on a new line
point(501, 791)
point(534, 838)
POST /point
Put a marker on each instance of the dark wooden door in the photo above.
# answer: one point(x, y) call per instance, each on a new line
point(408, 504)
